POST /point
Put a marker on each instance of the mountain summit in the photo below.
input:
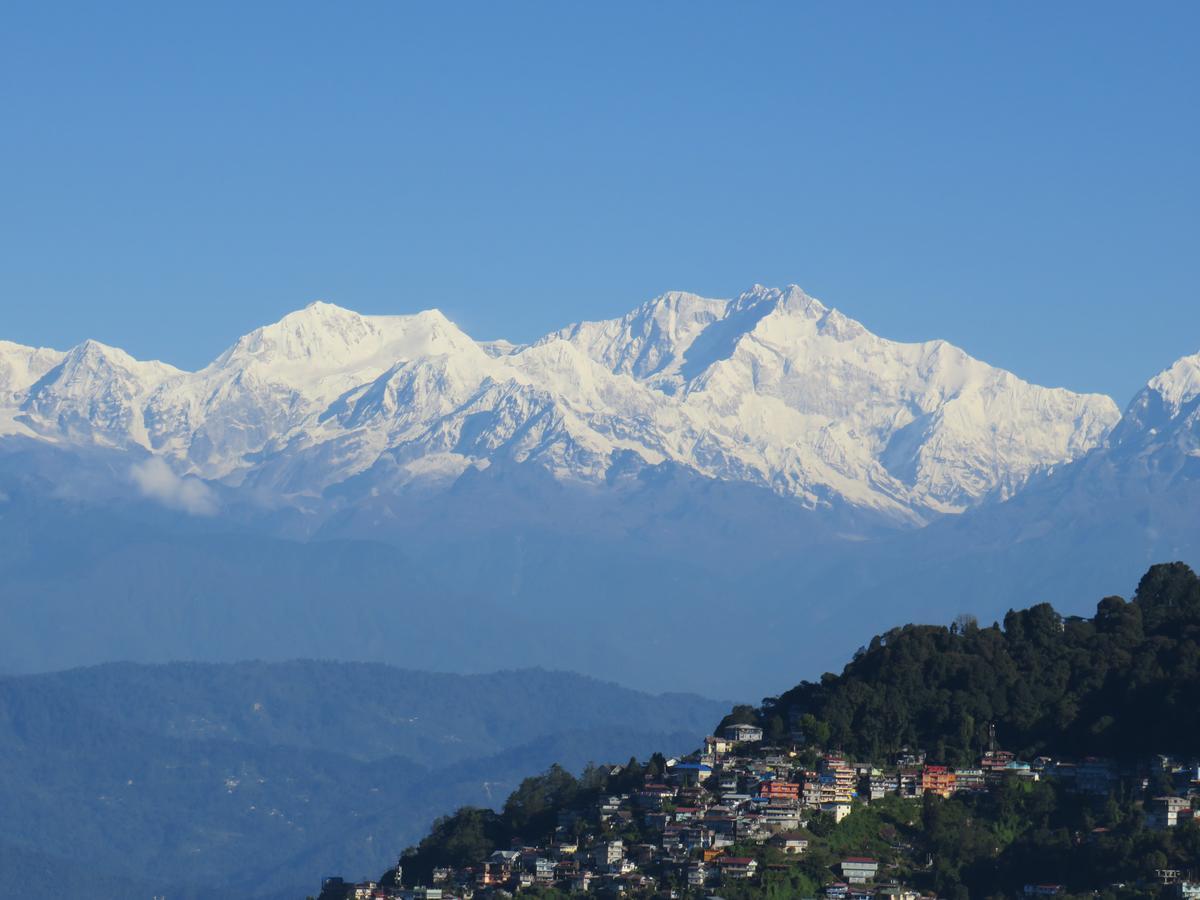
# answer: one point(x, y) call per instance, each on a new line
point(771, 388)
point(1166, 412)
point(806, 400)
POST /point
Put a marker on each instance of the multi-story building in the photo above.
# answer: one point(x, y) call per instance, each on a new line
point(781, 817)
point(690, 773)
point(837, 779)
point(790, 842)
point(910, 759)
point(937, 780)
point(838, 809)
point(744, 734)
point(859, 869)
point(969, 780)
point(542, 869)
point(910, 783)
point(879, 786)
point(995, 760)
point(1166, 812)
point(779, 790)
point(609, 853)
point(737, 867)
point(810, 789)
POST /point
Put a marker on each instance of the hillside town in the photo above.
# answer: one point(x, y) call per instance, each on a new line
point(725, 819)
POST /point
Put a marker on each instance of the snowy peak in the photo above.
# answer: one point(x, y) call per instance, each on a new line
point(649, 340)
point(21, 366)
point(791, 300)
point(92, 368)
point(775, 387)
point(1166, 412)
point(1178, 385)
point(322, 339)
point(318, 333)
point(275, 388)
point(675, 337)
point(886, 424)
point(95, 391)
point(94, 358)
point(802, 312)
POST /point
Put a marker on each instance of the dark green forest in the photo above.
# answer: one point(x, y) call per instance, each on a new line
point(1124, 683)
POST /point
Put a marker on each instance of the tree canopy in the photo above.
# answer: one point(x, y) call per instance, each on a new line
point(1124, 683)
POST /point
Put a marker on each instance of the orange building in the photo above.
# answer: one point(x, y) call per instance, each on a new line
point(937, 780)
point(779, 790)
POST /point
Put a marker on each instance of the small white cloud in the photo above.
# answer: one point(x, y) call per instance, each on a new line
point(156, 481)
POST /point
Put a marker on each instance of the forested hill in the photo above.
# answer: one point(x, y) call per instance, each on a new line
point(1124, 683)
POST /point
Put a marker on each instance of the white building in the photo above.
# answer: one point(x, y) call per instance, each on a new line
point(744, 733)
point(859, 869)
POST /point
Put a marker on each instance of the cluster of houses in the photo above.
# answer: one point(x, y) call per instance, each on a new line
point(736, 792)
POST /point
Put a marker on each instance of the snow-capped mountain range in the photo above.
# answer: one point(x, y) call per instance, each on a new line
point(771, 388)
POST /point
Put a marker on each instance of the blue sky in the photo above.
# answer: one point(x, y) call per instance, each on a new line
point(1020, 179)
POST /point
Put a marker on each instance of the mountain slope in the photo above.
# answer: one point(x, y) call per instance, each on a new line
point(96, 393)
point(21, 367)
point(1163, 421)
point(771, 388)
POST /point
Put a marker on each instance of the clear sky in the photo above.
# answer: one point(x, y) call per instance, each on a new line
point(1020, 179)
